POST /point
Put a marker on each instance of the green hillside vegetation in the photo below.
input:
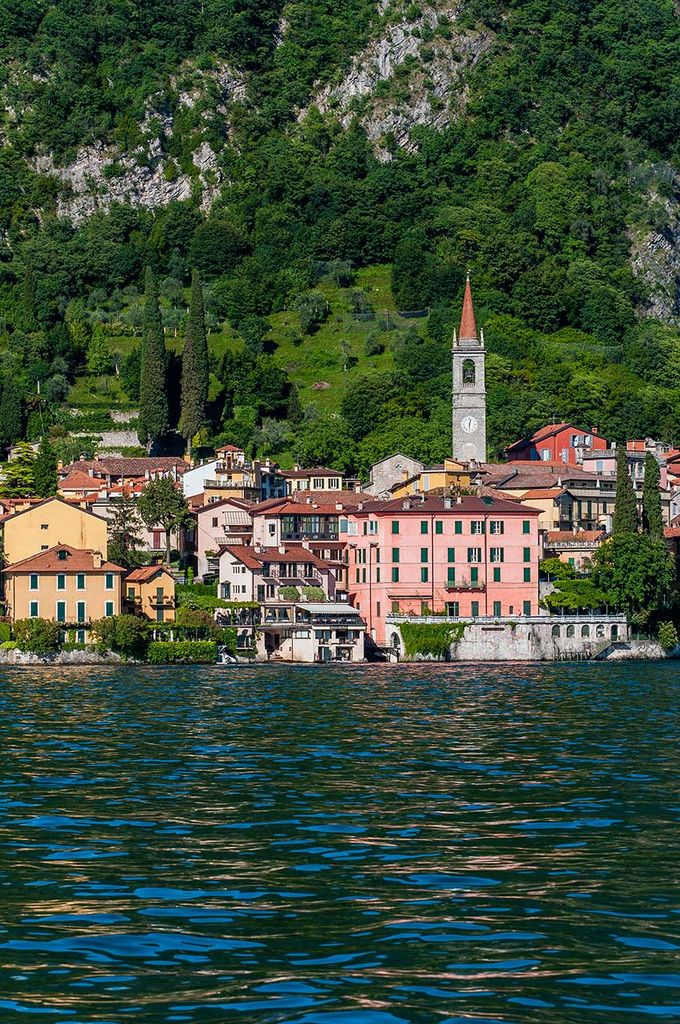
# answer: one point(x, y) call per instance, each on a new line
point(571, 124)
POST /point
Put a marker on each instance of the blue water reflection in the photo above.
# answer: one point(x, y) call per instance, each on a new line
point(411, 845)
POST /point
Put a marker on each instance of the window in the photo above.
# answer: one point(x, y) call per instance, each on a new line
point(108, 608)
point(585, 630)
point(358, 576)
point(477, 526)
point(526, 526)
point(527, 555)
point(556, 631)
point(363, 575)
point(439, 526)
point(497, 554)
point(80, 611)
point(545, 454)
point(373, 526)
point(61, 581)
point(424, 555)
point(395, 575)
point(395, 526)
point(80, 636)
point(458, 526)
point(214, 522)
point(496, 526)
point(474, 609)
point(450, 575)
point(377, 575)
point(424, 575)
point(34, 610)
point(395, 607)
point(62, 555)
point(468, 371)
point(160, 593)
point(364, 528)
point(497, 609)
point(44, 526)
point(425, 608)
point(571, 631)
point(395, 554)
point(423, 526)
point(343, 526)
point(109, 581)
point(474, 575)
point(35, 581)
point(497, 576)
point(61, 611)
point(131, 593)
point(377, 608)
point(453, 609)
point(474, 554)
point(451, 555)
point(334, 483)
point(526, 607)
point(160, 612)
point(527, 575)
point(80, 581)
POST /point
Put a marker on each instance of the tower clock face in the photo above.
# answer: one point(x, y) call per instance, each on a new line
point(469, 424)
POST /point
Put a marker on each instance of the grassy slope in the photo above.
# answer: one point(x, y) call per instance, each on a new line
point(318, 358)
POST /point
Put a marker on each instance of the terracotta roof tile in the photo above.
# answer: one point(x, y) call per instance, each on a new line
point(468, 327)
point(77, 560)
point(147, 572)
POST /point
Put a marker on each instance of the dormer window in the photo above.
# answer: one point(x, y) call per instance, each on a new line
point(44, 526)
point(62, 555)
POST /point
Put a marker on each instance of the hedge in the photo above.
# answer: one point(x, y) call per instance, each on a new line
point(432, 639)
point(164, 652)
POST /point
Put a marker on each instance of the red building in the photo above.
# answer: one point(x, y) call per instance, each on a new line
point(559, 442)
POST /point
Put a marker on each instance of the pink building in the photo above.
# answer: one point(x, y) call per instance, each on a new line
point(469, 557)
point(217, 525)
point(558, 442)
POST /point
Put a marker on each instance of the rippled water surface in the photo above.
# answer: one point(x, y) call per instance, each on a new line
point(489, 845)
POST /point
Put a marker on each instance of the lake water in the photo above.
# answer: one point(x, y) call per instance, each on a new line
point(370, 845)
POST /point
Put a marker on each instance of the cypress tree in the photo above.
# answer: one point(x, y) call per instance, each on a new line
point(45, 476)
point(652, 519)
point(195, 369)
point(11, 414)
point(154, 420)
point(625, 513)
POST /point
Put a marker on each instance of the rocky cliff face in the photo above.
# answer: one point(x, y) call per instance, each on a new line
point(148, 176)
point(655, 258)
point(412, 75)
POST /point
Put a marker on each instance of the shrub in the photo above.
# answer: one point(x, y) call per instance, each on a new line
point(668, 635)
point(434, 639)
point(8, 645)
point(5, 631)
point(123, 633)
point(40, 636)
point(313, 594)
point(289, 593)
point(164, 652)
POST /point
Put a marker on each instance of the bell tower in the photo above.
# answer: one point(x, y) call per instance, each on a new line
point(469, 387)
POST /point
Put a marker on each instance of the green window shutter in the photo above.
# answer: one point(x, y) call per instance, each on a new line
point(377, 575)
point(395, 526)
point(526, 526)
point(35, 581)
point(424, 575)
point(496, 575)
point(527, 575)
point(108, 608)
point(61, 611)
point(527, 554)
point(423, 525)
point(451, 575)
point(439, 526)
point(526, 607)
point(458, 526)
point(475, 609)
point(451, 555)
point(395, 554)
point(109, 581)
point(424, 555)
point(80, 581)
point(34, 611)
point(61, 581)
point(395, 575)
point(497, 609)
point(474, 575)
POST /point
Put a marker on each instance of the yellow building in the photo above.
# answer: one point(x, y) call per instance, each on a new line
point(451, 474)
point(49, 523)
point(66, 585)
point(151, 591)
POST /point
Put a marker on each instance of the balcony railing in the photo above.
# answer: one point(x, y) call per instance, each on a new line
point(465, 585)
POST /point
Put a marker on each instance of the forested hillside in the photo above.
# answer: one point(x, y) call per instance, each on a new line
point(327, 168)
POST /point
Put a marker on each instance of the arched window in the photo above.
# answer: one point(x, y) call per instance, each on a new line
point(599, 631)
point(571, 630)
point(556, 631)
point(585, 630)
point(468, 371)
point(615, 632)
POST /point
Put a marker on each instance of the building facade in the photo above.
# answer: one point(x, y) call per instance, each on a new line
point(150, 591)
point(48, 523)
point(469, 558)
point(558, 442)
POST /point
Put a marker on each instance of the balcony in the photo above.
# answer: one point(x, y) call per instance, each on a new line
point(465, 585)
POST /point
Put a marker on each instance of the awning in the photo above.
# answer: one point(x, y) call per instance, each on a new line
point(333, 608)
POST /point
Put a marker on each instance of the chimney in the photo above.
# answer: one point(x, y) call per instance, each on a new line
point(282, 549)
point(97, 559)
point(447, 503)
point(406, 504)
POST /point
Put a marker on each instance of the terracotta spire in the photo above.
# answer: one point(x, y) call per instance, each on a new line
point(468, 327)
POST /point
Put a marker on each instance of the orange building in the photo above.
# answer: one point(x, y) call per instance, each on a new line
point(151, 591)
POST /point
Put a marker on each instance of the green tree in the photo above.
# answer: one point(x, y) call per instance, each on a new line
point(162, 504)
point(98, 354)
point(154, 419)
point(652, 518)
point(124, 531)
point(126, 634)
point(39, 636)
point(625, 511)
point(45, 475)
point(11, 413)
point(635, 572)
point(18, 477)
point(195, 369)
point(668, 636)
